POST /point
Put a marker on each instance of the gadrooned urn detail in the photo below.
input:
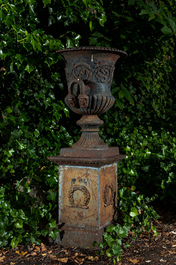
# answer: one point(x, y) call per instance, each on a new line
point(89, 74)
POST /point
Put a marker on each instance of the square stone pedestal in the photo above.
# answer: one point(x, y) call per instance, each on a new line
point(87, 199)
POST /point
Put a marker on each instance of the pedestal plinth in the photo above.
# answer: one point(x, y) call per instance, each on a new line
point(87, 198)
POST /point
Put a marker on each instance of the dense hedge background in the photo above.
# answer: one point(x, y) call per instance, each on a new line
point(35, 123)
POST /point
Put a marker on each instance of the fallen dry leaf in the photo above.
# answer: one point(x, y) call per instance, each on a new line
point(92, 258)
point(79, 262)
point(162, 260)
point(162, 252)
point(173, 232)
point(2, 259)
point(43, 248)
point(49, 251)
point(12, 263)
point(2, 69)
point(22, 253)
point(64, 260)
point(171, 252)
point(66, 252)
point(37, 249)
point(80, 259)
point(134, 261)
point(33, 254)
point(44, 254)
point(52, 256)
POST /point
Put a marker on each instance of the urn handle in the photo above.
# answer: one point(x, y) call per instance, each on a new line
point(82, 100)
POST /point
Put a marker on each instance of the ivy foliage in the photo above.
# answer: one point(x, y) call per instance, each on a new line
point(35, 122)
point(32, 111)
point(142, 121)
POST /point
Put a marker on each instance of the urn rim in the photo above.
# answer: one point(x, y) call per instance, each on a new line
point(94, 48)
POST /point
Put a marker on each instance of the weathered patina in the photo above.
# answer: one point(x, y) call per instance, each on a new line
point(87, 200)
point(88, 170)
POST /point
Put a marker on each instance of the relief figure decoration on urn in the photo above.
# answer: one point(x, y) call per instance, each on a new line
point(89, 74)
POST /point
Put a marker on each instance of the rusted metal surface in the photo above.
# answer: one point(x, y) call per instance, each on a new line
point(89, 73)
point(88, 170)
point(86, 161)
point(108, 191)
point(87, 198)
point(71, 152)
point(79, 237)
point(90, 138)
point(78, 192)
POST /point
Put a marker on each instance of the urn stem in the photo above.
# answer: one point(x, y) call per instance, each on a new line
point(90, 138)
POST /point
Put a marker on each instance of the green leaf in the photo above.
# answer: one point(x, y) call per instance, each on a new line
point(21, 146)
point(16, 133)
point(109, 252)
point(144, 12)
point(19, 224)
point(127, 94)
point(14, 242)
point(68, 43)
point(53, 233)
point(90, 25)
point(86, 2)
point(131, 2)
point(154, 230)
point(110, 228)
point(119, 103)
point(9, 110)
point(152, 16)
point(104, 18)
point(52, 224)
point(163, 184)
point(122, 231)
point(116, 250)
point(121, 94)
point(172, 24)
point(134, 212)
point(114, 90)
point(1, 14)
point(46, 2)
point(44, 232)
point(29, 68)
point(52, 196)
point(108, 238)
point(166, 30)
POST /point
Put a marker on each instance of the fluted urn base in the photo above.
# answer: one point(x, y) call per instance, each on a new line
point(90, 144)
point(90, 138)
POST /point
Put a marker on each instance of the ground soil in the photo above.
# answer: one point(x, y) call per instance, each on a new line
point(147, 249)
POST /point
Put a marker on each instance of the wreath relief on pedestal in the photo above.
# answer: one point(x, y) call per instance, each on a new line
point(84, 201)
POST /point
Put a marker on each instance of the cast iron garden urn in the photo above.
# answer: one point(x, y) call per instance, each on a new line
point(88, 170)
